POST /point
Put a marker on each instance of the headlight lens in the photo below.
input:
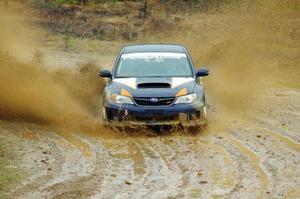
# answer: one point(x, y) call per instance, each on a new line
point(119, 99)
point(187, 99)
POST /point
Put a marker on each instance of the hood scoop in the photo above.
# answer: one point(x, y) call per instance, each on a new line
point(154, 85)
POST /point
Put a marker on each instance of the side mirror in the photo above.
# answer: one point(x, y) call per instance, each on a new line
point(105, 73)
point(202, 72)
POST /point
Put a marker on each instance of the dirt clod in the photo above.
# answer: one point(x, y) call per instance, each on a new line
point(128, 183)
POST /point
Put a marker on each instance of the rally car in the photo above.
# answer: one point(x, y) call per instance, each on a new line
point(154, 85)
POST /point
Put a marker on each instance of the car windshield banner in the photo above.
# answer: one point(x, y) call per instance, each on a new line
point(153, 55)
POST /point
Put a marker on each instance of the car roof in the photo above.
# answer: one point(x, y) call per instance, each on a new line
point(153, 48)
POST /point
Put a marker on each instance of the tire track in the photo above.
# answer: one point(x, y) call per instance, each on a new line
point(292, 136)
point(286, 140)
point(221, 175)
point(87, 180)
point(281, 134)
point(279, 159)
point(229, 134)
point(227, 179)
point(163, 180)
point(78, 143)
point(191, 152)
point(120, 169)
point(74, 171)
point(126, 182)
point(255, 162)
point(33, 185)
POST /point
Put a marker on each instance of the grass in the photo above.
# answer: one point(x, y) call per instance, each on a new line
point(8, 174)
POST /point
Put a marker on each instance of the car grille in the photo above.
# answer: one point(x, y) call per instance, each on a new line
point(154, 119)
point(154, 101)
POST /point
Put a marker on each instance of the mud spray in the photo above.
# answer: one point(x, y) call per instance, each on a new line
point(249, 47)
point(66, 99)
point(246, 46)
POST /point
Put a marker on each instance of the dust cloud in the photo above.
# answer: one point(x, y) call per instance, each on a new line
point(249, 47)
point(66, 98)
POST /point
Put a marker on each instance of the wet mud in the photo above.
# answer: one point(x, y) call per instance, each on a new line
point(250, 158)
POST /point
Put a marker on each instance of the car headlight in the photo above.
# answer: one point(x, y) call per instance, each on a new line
point(119, 99)
point(186, 99)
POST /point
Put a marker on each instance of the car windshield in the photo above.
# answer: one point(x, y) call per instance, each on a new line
point(159, 64)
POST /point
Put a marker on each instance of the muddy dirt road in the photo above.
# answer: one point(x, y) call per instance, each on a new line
point(253, 157)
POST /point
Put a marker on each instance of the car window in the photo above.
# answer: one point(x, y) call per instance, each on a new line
point(154, 65)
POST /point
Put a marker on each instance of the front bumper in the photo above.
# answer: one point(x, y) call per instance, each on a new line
point(186, 115)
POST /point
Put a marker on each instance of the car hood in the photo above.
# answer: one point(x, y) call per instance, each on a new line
point(154, 87)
